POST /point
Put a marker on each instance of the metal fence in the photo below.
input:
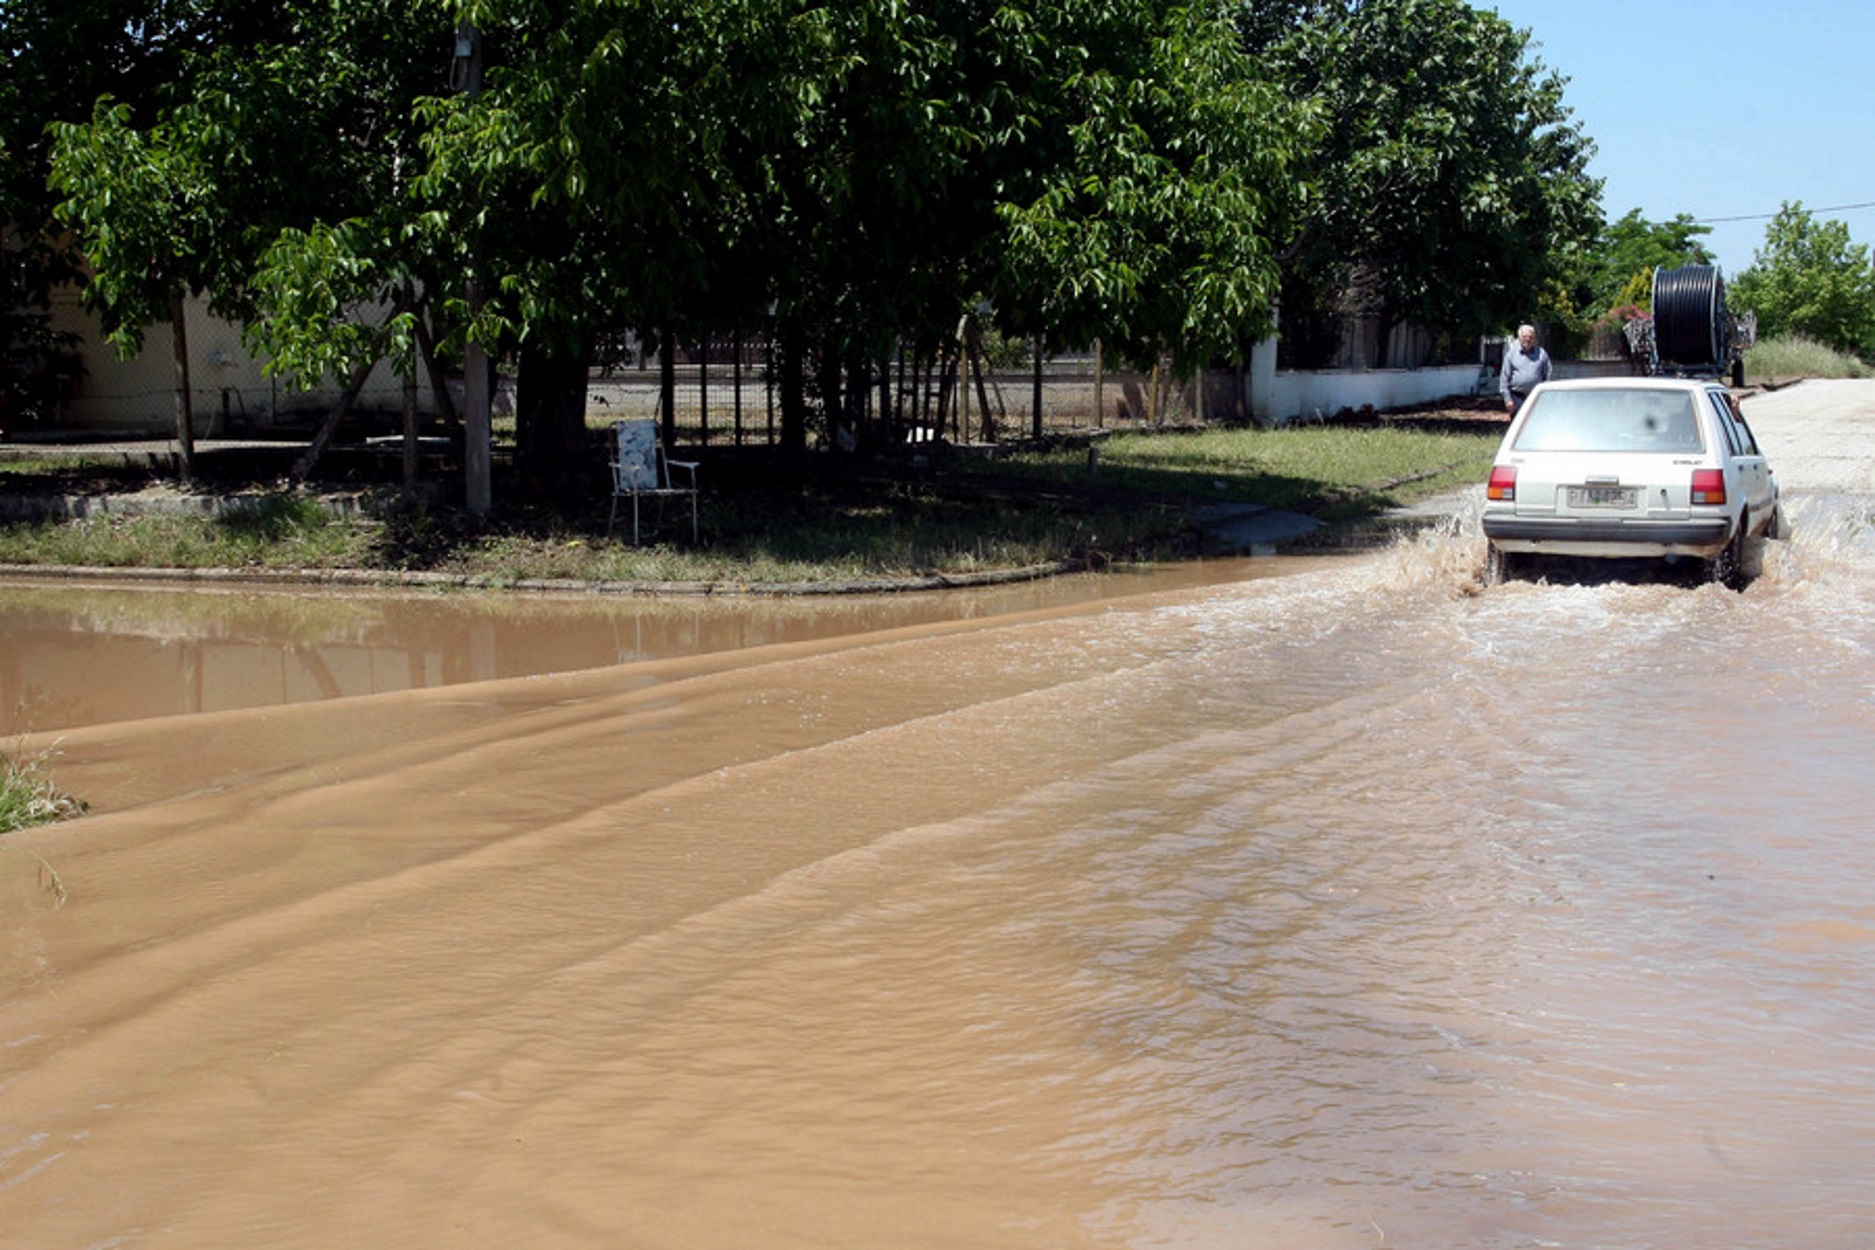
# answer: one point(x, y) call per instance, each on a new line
point(724, 391)
point(728, 396)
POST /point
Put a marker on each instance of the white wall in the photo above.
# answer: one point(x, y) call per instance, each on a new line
point(137, 396)
point(1292, 395)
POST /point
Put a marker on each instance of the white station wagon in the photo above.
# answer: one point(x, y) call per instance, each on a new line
point(1629, 467)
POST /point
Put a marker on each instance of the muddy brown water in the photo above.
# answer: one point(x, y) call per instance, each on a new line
point(1343, 908)
point(85, 653)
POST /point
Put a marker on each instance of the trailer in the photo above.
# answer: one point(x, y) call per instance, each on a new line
point(1692, 333)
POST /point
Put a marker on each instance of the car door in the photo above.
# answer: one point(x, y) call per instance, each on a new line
point(1752, 469)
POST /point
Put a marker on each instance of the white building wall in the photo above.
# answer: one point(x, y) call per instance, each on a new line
point(230, 391)
point(1295, 395)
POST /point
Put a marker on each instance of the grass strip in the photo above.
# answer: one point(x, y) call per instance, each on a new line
point(27, 795)
point(1126, 497)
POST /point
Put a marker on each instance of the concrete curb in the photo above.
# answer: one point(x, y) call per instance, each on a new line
point(417, 580)
point(162, 501)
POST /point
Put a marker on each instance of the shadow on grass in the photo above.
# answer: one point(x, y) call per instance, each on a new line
point(270, 518)
point(869, 519)
point(768, 515)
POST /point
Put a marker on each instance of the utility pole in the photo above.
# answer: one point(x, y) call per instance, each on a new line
point(466, 75)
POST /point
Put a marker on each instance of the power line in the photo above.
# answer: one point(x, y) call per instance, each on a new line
point(1839, 208)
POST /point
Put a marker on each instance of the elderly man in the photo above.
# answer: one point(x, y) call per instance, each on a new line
point(1525, 364)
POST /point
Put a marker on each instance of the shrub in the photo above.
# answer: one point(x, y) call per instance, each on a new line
point(1790, 357)
point(28, 797)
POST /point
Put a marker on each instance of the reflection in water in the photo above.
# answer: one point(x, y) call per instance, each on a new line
point(1348, 909)
point(76, 655)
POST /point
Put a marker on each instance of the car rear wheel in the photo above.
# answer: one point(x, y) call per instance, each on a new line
point(1501, 566)
point(1728, 567)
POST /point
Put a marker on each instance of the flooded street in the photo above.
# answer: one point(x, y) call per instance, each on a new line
point(84, 653)
point(1350, 908)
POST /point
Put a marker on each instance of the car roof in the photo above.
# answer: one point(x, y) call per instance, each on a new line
point(1629, 383)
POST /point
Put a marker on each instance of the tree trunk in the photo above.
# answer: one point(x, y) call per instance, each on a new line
point(890, 415)
point(439, 385)
point(973, 368)
point(983, 397)
point(185, 403)
point(827, 380)
point(550, 413)
point(304, 465)
point(949, 395)
point(410, 423)
point(793, 386)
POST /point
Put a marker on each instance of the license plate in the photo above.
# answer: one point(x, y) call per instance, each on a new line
point(1603, 496)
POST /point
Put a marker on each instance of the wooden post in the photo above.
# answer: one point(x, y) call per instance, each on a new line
point(963, 378)
point(667, 385)
point(983, 397)
point(768, 378)
point(735, 347)
point(703, 388)
point(1035, 416)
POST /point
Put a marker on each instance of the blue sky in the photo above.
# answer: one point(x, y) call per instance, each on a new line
point(1719, 109)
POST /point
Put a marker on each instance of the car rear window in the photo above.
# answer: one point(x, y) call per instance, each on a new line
point(1611, 419)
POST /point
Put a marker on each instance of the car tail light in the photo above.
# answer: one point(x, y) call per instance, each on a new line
point(1708, 486)
point(1503, 484)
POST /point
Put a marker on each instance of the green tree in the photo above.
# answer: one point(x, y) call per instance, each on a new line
point(269, 130)
point(1631, 248)
point(871, 171)
point(629, 168)
point(1809, 279)
point(139, 207)
point(1155, 223)
point(56, 56)
point(867, 171)
point(1450, 185)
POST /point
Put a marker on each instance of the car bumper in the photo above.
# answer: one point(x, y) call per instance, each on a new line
point(1596, 536)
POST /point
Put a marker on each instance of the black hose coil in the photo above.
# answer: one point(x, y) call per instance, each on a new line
point(1689, 315)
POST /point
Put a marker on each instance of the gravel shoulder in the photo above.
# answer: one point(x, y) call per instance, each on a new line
point(1819, 435)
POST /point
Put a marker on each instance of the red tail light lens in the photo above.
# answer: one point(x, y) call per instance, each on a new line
point(1708, 486)
point(1503, 484)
